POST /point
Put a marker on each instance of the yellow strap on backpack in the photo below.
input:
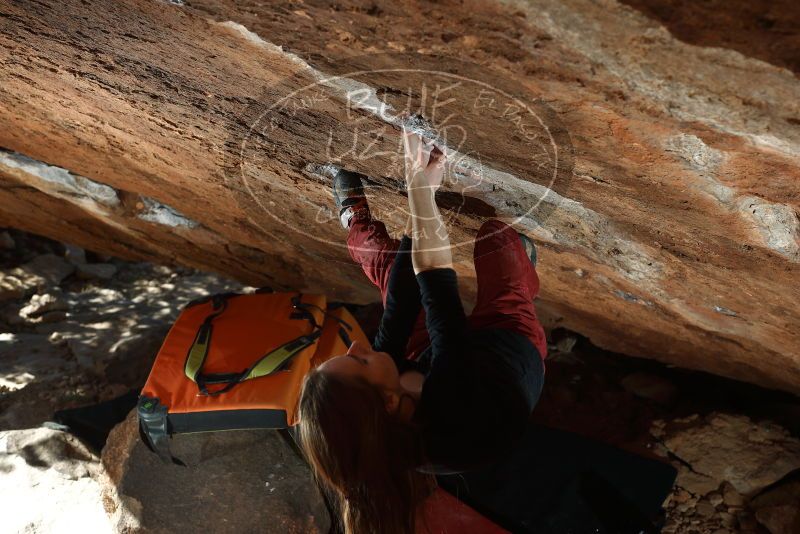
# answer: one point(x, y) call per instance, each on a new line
point(271, 362)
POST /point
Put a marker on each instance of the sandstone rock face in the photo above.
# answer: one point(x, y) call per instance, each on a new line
point(269, 486)
point(659, 179)
point(731, 448)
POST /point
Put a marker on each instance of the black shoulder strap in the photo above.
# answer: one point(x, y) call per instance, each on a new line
point(271, 362)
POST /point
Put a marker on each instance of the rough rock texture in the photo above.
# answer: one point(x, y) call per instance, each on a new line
point(39, 272)
point(670, 230)
point(731, 448)
point(769, 31)
point(42, 465)
point(239, 481)
point(733, 473)
point(779, 508)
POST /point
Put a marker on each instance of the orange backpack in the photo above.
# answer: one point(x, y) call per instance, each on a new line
point(235, 361)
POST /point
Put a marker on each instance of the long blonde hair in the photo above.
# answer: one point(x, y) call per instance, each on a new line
point(361, 455)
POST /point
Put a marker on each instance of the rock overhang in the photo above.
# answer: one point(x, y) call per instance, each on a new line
point(679, 210)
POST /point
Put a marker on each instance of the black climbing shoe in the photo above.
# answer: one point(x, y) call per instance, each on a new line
point(530, 248)
point(348, 193)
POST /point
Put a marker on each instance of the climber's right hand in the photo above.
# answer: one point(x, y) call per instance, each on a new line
point(424, 163)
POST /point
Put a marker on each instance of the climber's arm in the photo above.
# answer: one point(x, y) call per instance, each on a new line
point(424, 175)
point(401, 309)
point(431, 255)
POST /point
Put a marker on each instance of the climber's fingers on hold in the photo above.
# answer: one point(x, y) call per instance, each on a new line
point(415, 151)
point(437, 157)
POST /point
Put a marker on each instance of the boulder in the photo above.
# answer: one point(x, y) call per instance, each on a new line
point(748, 455)
point(51, 483)
point(731, 497)
point(660, 183)
point(44, 271)
point(696, 483)
point(74, 254)
point(95, 271)
point(237, 481)
point(779, 508)
point(6, 241)
point(12, 287)
point(43, 304)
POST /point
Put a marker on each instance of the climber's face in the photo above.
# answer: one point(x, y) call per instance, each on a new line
point(377, 368)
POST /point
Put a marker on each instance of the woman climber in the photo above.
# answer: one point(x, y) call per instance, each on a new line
point(438, 392)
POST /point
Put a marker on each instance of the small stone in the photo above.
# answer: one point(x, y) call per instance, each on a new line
point(695, 483)
point(705, 509)
point(346, 36)
point(99, 271)
point(12, 288)
point(74, 254)
point(57, 339)
point(685, 507)
point(731, 497)
point(714, 498)
point(42, 304)
point(566, 344)
point(162, 270)
point(728, 519)
point(7, 242)
point(681, 496)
